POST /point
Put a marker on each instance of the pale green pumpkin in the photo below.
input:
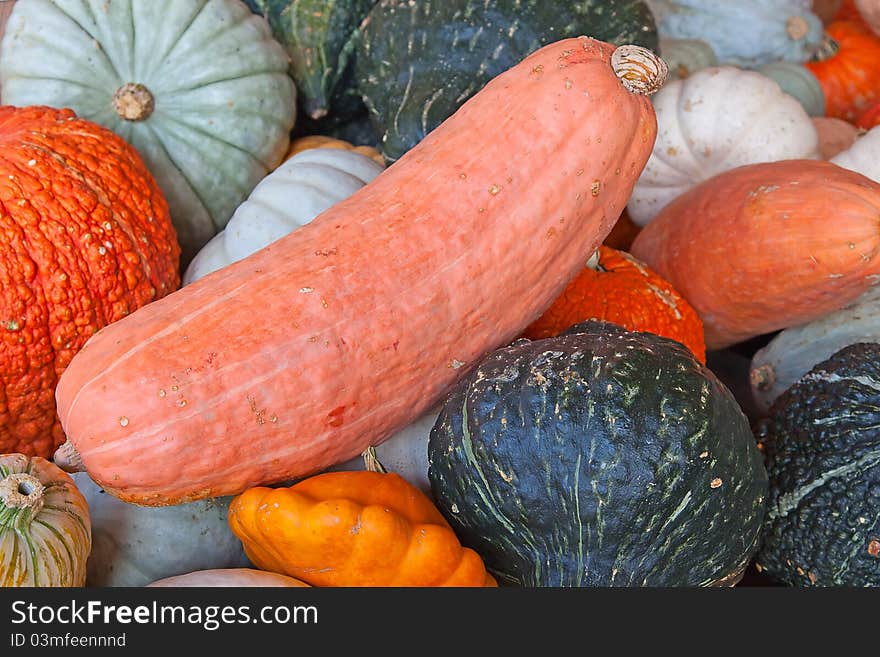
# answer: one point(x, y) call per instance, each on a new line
point(199, 87)
point(800, 83)
point(45, 531)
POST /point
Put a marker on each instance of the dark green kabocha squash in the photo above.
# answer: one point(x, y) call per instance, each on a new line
point(601, 457)
point(319, 36)
point(418, 62)
point(822, 445)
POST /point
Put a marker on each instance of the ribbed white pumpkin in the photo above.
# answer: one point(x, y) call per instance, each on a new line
point(133, 545)
point(199, 87)
point(863, 156)
point(718, 119)
point(795, 351)
point(45, 531)
point(290, 197)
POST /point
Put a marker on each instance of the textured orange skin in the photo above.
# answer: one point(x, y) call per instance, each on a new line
point(320, 141)
point(768, 246)
point(851, 78)
point(870, 118)
point(624, 291)
point(85, 239)
point(344, 331)
point(353, 529)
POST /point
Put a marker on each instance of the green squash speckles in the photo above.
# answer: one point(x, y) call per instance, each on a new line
point(599, 458)
point(822, 444)
point(418, 62)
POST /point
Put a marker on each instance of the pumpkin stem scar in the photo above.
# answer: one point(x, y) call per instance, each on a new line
point(133, 102)
point(797, 28)
point(23, 491)
point(68, 459)
point(640, 71)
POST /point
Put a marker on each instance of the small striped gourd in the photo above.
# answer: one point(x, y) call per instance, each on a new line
point(45, 531)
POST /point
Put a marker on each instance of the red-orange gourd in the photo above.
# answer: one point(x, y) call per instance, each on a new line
point(618, 288)
point(344, 331)
point(768, 246)
point(849, 69)
point(624, 232)
point(85, 239)
point(870, 118)
point(353, 529)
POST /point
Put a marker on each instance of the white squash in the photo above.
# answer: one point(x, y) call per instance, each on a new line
point(405, 453)
point(717, 119)
point(230, 577)
point(133, 545)
point(795, 351)
point(290, 197)
point(863, 156)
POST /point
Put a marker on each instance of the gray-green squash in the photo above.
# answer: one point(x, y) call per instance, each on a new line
point(822, 444)
point(418, 62)
point(135, 545)
point(599, 458)
point(799, 82)
point(199, 87)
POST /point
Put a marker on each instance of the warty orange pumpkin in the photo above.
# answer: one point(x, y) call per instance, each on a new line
point(616, 287)
point(767, 246)
point(339, 334)
point(848, 69)
point(353, 529)
point(85, 239)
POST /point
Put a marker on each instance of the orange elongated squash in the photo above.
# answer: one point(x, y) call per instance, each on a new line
point(768, 246)
point(347, 329)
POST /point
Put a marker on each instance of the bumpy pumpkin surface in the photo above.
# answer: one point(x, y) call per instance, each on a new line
point(45, 532)
point(617, 288)
point(353, 529)
point(599, 458)
point(199, 87)
point(85, 239)
point(822, 445)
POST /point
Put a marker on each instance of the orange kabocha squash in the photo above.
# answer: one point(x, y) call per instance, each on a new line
point(346, 330)
point(85, 239)
point(320, 141)
point(615, 287)
point(768, 246)
point(848, 69)
point(353, 529)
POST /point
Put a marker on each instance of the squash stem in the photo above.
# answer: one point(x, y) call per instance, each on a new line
point(21, 498)
point(640, 71)
point(133, 102)
point(68, 459)
point(371, 460)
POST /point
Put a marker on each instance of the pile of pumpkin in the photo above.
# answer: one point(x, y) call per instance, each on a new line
point(399, 352)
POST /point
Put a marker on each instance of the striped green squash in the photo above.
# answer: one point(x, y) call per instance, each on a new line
point(45, 532)
point(599, 458)
point(199, 87)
